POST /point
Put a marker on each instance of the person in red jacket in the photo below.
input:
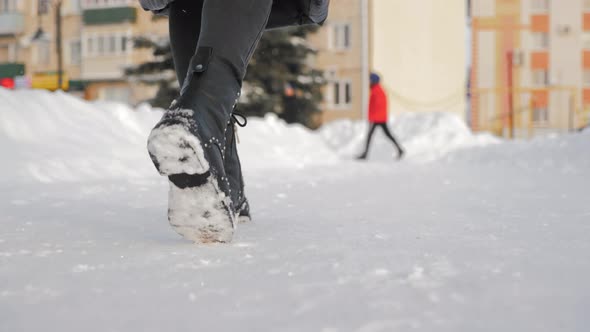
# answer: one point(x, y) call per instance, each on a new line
point(378, 116)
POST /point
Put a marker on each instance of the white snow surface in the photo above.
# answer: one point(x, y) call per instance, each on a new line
point(469, 233)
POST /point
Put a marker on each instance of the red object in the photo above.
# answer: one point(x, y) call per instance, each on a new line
point(7, 83)
point(377, 105)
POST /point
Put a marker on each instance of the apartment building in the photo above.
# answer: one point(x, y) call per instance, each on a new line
point(421, 61)
point(96, 46)
point(418, 47)
point(339, 44)
point(531, 66)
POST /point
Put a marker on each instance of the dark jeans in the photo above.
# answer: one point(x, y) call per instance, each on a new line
point(231, 28)
point(387, 133)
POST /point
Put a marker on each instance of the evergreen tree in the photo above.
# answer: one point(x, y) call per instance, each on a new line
point(159, 71)
point(279, 78)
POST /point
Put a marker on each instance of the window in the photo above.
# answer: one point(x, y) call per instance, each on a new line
point(100, 45)
point(90, 46)
point(340, 36)
point(540, 6)
point(540, 40)
point(42, 7)
point(540, 77)
point(124, 44)
point(112, 45)
point(540, 115)
point(107, 45)
point(341, 93)
point(347, 93)
point(88, 4)
point(7, 6)
point(43, 52)
point(75, 52)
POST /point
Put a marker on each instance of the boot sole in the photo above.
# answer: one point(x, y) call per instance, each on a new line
point(197, 209)
point(174, 150)
point(199, 213)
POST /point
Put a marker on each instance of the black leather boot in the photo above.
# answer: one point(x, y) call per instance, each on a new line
point(233, 169)
point(190, 143)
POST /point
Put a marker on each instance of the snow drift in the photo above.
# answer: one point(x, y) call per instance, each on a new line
point(57, 137)
point(52, 137)
point(424, 136)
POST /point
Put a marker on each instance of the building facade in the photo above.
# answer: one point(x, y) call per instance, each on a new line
point(418, 48)
point(421, 61)
point(339, 44)
point(531, 66)
point(96, 46)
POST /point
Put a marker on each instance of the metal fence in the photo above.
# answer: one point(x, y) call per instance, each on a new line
point(528, 112)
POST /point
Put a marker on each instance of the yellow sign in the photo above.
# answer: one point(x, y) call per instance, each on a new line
point(49, 81)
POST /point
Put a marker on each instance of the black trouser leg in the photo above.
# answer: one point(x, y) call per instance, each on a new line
point(232, 28)
point(369, 137)
point(185, 28)
point(390, 136)
point(212, 42)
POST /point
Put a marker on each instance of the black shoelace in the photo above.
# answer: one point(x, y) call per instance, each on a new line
point(237, 119)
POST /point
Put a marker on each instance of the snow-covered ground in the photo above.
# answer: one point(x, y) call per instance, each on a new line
point(469, 233)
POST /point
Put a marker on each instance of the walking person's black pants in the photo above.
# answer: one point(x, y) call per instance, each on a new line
point(231, 27)
point(185, 30)
point(387, 133)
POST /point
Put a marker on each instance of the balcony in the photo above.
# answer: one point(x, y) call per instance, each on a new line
point(11, 23)
point(94, 4)
point(112, 15)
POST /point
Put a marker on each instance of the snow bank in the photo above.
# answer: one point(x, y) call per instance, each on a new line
point(51, 137)
point(427, 137)
point(57, 137)
point(271, 143)
point(424, 136)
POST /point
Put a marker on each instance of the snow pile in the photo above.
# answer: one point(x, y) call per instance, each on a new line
point(57, 137)
point(270, 142)
point(51, 137)
point(424, 136)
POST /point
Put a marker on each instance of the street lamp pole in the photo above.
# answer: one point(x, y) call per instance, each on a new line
point(58, 42)
point(40, 35)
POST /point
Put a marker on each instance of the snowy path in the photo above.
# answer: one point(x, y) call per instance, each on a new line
point(355, 247)
point(468, 234)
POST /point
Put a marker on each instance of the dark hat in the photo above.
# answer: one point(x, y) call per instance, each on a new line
point(374, 79)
